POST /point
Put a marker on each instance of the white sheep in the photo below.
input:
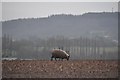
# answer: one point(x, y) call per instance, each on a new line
point(61, 54)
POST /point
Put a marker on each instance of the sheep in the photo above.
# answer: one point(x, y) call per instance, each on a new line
point(61, 54)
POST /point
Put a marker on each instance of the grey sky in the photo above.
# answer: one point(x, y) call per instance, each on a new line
point(14, 10)
point(0, 11)
point(0, 24)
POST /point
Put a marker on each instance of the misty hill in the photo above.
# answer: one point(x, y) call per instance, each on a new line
point(101, 24)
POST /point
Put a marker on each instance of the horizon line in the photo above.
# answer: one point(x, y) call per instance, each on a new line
point(48, 16)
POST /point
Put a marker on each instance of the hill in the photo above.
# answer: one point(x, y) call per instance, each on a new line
point(88, 24)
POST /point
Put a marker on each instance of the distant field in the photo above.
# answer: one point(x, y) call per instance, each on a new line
point(60, 69)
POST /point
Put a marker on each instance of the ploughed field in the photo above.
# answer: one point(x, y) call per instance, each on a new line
point(59, 69)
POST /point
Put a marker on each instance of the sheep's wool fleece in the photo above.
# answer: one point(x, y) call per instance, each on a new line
point(59, 50)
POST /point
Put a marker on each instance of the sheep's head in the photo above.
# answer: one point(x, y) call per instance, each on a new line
point(68, 57)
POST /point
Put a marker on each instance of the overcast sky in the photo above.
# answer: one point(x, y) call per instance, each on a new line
point(14, 10)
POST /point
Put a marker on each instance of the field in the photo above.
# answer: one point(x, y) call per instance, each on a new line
point(60, 69)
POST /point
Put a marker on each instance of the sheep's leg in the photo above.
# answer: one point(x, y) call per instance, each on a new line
point(55, 59)
point(67, 59)
point(51, 58)
point(59, 59)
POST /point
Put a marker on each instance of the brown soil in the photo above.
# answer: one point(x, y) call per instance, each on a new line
point(59, 69)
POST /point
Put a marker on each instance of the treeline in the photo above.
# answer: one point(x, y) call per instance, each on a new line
point(80, 48)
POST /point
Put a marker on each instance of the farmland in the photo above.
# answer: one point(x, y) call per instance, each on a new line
point(60, 69)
